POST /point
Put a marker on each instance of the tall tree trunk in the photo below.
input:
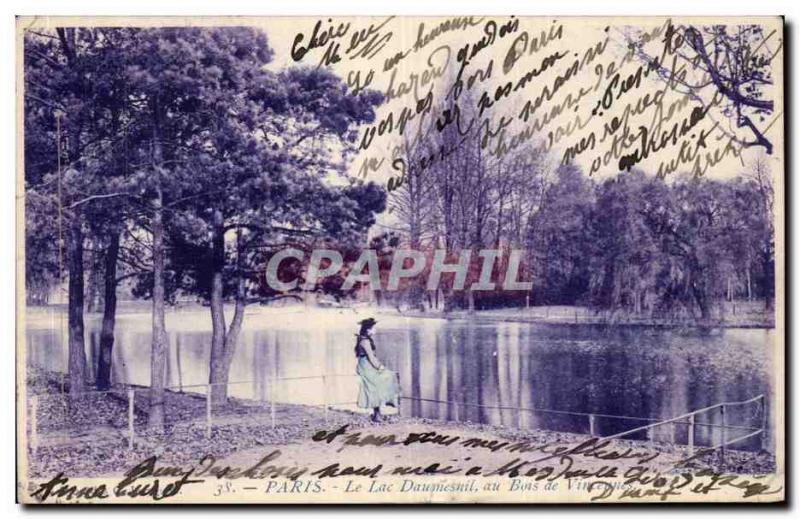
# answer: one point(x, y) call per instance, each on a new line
point(217, 375)
point(158, 351)
point(223, 342)
point(109, 312)
point(77, 353)
point(232, 337)
point(92, 297)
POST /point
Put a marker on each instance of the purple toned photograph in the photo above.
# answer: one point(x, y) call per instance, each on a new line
point(400, 260)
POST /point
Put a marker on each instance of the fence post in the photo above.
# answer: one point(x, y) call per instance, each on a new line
point(673, 433)
point(34, 423)
point(208, 411)
point(691, 435)
point(131, 401)
point(592, 426)
point(724, 434)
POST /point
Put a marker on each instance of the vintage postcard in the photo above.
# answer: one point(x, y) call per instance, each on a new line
point(464, 259)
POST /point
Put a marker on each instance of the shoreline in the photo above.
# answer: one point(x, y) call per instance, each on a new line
point(95, 444)
point(544, 315)
point(523, 316)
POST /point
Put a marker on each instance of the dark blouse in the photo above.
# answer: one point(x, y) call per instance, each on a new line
point(360, 351)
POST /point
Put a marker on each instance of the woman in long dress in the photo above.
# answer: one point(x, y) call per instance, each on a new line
point(379, 385)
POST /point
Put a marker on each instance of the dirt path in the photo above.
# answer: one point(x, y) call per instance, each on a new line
point(411, 445)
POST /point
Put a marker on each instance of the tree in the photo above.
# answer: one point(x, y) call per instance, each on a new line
point(454, 194)
point(181, 81)
point(557, 238)
point(757, 198)
point(302, 204)
point(413, 205)
point(150, 128)
point(732, 62)
point(738, 64)
point(69, 75)
point(259, 177)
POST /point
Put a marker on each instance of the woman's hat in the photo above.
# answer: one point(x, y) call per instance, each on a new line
point(368, 322)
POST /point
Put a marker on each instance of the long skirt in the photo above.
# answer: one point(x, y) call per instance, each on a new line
point(377, 387)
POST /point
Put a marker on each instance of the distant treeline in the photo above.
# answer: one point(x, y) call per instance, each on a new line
point(633, 242)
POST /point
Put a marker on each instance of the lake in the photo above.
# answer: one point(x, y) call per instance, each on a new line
point(484, 371)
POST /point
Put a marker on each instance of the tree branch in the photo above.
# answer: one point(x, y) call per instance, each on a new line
point(695, 40)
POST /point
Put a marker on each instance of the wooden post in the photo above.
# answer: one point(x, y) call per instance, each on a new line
point(34, 423)
point(691, 435)
point(673, 433)
point(131, 432)
point(592, 426)
point(208, 411)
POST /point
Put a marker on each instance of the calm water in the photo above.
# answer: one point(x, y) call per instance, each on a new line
point(626, 371)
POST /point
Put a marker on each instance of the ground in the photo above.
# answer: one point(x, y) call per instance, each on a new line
point(90, 437)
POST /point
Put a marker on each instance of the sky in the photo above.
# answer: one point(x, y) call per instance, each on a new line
point(566, 125)
point(578, 97)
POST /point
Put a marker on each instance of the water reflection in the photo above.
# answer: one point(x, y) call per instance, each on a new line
point(486, 371)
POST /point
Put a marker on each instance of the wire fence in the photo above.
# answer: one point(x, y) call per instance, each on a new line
point(121, 413)
point(723, 411)
point(713, 426)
